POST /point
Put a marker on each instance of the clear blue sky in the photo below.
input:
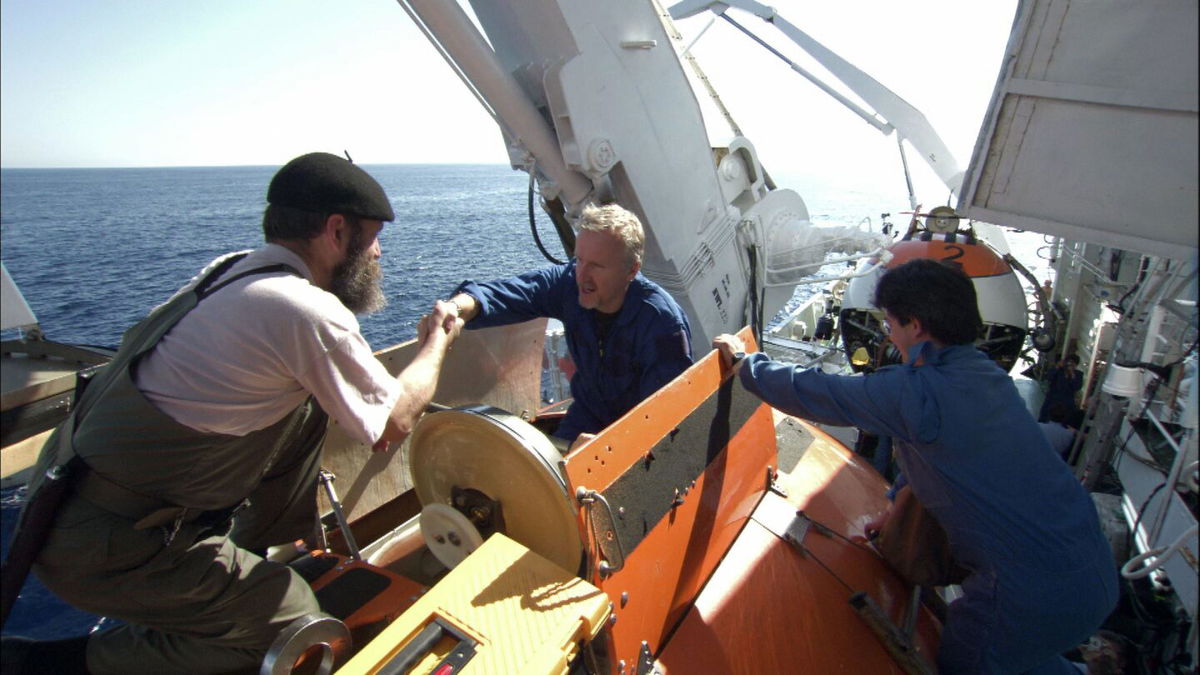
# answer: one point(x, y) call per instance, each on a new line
point(224, 82)
point(228, 82)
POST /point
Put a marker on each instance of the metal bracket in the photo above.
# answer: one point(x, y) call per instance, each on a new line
point(797, 530)
point(782, 519)
point(423, 644)
point(898, 644)
point(485, 513)
point(772, 482)
point(604, 531)
point(327, 477)
point(645, 663)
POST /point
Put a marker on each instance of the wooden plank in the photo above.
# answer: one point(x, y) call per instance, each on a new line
point(16, 459)
point(35, 370)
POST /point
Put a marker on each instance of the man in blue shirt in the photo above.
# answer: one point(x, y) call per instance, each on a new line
point(1064, 383)
point(626, 335)
point(1041, 576)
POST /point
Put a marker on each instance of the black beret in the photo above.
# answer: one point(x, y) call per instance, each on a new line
point(326, 183)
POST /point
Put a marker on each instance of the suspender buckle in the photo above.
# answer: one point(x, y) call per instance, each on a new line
point(170, 532)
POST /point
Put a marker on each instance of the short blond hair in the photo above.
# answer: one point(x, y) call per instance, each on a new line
point(619, 222)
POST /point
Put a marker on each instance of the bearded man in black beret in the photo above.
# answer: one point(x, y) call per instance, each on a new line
point(216, 405)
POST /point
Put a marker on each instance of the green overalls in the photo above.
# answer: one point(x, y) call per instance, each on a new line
point(143, 534)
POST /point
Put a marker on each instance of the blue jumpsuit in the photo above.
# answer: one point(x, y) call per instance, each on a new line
point(647, 345)
point(1060, 395)
point(1042, 577)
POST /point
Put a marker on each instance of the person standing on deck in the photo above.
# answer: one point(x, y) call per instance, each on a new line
point(627, 336)
point(1041, 577)
point(199, 445)
point(1063, 384)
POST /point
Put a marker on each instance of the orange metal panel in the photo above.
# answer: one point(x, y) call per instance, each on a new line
point(834, 486)
point(670, 564)
point(771, 609)
point(605, 458)
point(384, 604)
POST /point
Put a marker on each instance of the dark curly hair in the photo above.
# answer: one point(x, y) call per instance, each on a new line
point(940, 296)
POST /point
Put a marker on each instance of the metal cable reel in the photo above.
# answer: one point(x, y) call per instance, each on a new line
point(480, 470)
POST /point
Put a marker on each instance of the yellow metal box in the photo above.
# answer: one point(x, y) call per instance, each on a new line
point(505, 609)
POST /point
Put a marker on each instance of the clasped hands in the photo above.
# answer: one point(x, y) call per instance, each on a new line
point(443, 321)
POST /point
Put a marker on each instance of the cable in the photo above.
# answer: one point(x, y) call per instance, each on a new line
point(825, 567)
point(828, 531)
point(1141, 511)
point(1120, 452)
point(533, 222)
point(755, 318)
point(1119, 308)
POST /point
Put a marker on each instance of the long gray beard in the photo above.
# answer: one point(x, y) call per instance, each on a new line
point(357, 282)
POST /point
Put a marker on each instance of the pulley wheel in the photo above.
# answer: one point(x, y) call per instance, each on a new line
point(505, 458)
point(448, 534)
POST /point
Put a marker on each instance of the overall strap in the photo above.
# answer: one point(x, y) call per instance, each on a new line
point(145, 335)
point(59, 468)
point(218, 271)
point(203, 289)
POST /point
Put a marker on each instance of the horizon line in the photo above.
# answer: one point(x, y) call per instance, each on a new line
point(231, 166)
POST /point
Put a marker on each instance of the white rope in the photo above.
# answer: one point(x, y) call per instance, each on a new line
point(1161, 555)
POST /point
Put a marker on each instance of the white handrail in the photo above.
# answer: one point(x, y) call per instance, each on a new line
point(1160, 556)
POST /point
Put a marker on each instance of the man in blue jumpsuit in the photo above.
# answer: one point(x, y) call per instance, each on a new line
point(626, 335)
point(1064, 383)
point(1041, 576)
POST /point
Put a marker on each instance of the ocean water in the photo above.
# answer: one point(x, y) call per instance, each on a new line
point(93, 250)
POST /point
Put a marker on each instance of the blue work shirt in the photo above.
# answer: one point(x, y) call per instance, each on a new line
point(647, 345)
point(1042, 574)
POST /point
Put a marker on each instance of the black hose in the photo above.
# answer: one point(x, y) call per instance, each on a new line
point(755, 308)
point(533, 225)
point(1119, 308)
